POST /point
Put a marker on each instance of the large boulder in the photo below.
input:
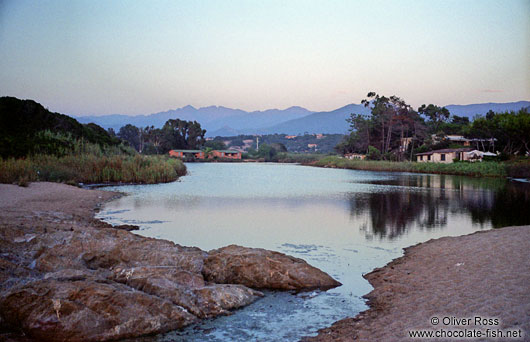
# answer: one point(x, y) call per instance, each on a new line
point(51, 310)
point(186, 289)
point(263, 269)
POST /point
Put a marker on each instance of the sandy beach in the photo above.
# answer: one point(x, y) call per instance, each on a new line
point(454, 281)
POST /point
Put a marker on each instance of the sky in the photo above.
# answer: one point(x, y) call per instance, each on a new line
point(100, 57)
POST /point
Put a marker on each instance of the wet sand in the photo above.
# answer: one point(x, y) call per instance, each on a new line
point(485, 274)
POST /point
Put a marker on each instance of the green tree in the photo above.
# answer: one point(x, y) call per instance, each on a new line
point(130, 134)
point(391, 120)
point(153, 138)
point(435, 114)
point(180, 134)
point(215, 144)
point(373, 153)
point(278, 147)
point(266, 151)
point(511, 131)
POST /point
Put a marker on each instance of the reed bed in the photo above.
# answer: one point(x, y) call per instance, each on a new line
point(91, 168)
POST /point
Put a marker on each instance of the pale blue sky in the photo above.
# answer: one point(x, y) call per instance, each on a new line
point(132, 57)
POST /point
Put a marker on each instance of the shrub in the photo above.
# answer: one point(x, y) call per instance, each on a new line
point(373, 153)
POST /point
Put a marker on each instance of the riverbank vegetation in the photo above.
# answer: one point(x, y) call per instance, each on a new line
point(516, 169)
point(37, 145)
point(395, 131)
point(92, 169)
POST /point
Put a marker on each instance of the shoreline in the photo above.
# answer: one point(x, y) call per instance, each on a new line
point(67, 276)
point(484, 274)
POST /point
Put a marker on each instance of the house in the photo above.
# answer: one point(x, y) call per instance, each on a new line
point(230, 154)
point(357, 156)
point(459, 139)
point(312, 146)
point(443, 156)
point(187, 153)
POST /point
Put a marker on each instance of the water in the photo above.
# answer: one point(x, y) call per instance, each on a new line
point(344, 222)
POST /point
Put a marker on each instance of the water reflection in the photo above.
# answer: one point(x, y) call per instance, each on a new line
point(426, 202)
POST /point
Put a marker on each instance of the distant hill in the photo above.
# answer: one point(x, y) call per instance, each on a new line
point(211, 118)
point(482, 108)
point(21, 121)
point(333, 122)
point(222, 121)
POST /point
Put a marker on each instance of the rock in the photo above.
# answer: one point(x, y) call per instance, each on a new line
point(186, 289)
point(219, 299)
point(69, 274)
point(107, 248)
point(51, 310)
point(101, 224)
point(259, 268)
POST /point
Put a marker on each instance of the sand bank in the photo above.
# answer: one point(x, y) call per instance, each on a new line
point(456, 280)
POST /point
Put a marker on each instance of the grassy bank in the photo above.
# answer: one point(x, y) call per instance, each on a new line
point(90, 168)
point(61, 157)
point(289, 157)
point(483, 169)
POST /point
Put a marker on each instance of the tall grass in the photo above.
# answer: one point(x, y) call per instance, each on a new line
point(88, 168)
point(482, 169)
point(78, 161)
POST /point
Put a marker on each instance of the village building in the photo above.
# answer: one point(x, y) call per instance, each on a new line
point(230, 154)
point(460, 139)
point(446, 156)
point(198, 154)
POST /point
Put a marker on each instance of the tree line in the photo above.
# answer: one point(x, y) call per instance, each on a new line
point(392, 122)
point(175, 134)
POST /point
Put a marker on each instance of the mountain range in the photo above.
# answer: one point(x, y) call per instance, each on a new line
point(222, 121)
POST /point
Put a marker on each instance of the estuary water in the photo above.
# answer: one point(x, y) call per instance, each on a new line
point(345, 222)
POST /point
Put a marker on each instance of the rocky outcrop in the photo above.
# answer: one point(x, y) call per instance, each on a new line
point(64, 278)
point(186, 289)
point(51, 310)
point(262, 269)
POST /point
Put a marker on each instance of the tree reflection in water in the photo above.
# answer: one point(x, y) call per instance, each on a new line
point(427, 201)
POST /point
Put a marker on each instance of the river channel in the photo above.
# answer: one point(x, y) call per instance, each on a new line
point(345, 222)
